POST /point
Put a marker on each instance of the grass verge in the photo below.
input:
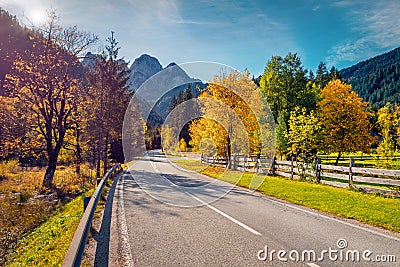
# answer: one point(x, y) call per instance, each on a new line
point(372, 209)
point(25, 204)
point(48, 244)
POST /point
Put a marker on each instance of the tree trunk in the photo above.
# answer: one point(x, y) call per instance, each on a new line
point(98, 159)
point(228, 150)
point(78, 152)
point(78, 165)
point(51, 169)
point(105, 164)
point(338, 157)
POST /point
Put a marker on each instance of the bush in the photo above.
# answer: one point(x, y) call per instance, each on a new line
point(8, 168)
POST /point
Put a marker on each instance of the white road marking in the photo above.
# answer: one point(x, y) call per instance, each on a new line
point(312, 264)
point(126, 253)
point(226, 215)
point(309, 212)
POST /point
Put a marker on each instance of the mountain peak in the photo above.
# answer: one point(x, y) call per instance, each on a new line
point(146, 63)
point(171, 65)
point(143, 68)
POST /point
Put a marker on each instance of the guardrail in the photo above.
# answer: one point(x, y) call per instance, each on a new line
point(77, 246)
point(339, 176)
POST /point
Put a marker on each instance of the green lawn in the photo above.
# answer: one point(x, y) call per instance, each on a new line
point(368, 208)
point(363, 160)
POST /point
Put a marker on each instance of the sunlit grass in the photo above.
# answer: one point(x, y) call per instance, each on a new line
point(364, 160)
point(48, 244)
point(344, 202)
point(25, 204)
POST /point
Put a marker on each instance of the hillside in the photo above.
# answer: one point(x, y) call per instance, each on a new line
point(14, 39)
point(376, 80)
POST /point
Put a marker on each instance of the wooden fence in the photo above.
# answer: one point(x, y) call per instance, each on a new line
point(368, 179)
point(374, 157)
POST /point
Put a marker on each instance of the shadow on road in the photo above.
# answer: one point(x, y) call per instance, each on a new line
point(102, 237)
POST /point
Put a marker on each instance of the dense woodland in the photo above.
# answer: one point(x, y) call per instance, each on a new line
point(376, 80)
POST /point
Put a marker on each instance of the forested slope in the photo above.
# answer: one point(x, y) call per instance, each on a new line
point(377, 80)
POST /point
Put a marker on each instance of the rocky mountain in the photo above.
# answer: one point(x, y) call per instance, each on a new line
point(143, 68)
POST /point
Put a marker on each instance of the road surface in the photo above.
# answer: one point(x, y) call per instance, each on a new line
point(242, 228)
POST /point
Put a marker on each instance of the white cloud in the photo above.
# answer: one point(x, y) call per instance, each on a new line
point(377, 25)
point(316, 8)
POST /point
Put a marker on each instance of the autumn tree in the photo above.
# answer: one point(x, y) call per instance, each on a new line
point(75, 141)
point(109, 98)
point(13, 133)
point(388, 124)
point(133, 131)
point(167, 134)
point(304, 134)
point(182, 145)
point(232, 114)
point(344, 120)
point(46, 84)
point(208, 129)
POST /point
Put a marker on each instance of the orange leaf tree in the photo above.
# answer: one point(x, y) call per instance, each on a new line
point(344, 119)
point(234, 117)
point(45, 82)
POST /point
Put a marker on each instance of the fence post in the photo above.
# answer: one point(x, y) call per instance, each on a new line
point(236, 162)
point(317, 162)
point(351, 165)
point(273, 166)
point(244, 162)
point(291, 168)
point(257, 163)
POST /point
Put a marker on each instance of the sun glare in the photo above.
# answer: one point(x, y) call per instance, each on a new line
point(36, 16)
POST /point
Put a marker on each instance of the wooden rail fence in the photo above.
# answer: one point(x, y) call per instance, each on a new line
point(339, 176)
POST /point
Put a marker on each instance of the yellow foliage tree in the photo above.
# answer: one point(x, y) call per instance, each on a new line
point(133, 131)
point(304, 133)
point(206, 128)
point(167, 138)
point(182, 145)
point(344, 119)
point(388, 123)
point(232, 110)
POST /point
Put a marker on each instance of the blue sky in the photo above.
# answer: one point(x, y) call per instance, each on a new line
point(241, 34)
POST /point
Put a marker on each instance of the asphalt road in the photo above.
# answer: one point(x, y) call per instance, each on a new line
point(173, 217)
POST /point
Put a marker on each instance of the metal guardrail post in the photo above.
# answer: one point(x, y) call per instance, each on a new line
point(75, 251)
